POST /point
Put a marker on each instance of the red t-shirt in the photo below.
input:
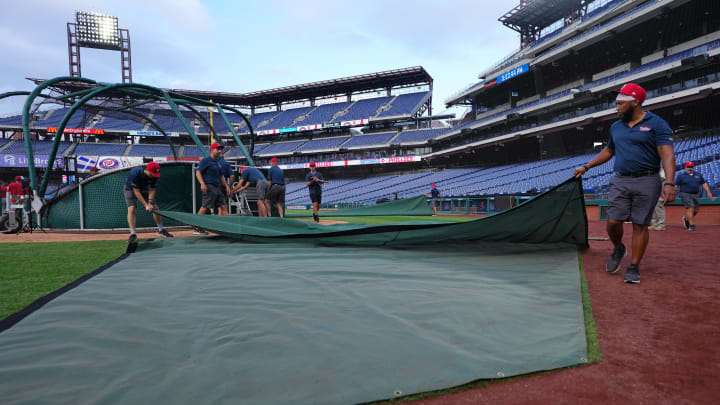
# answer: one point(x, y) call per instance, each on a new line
point(3, 190)
point(15, 188)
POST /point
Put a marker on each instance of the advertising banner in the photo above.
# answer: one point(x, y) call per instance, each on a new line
point(354, 162)
point(353, 123)
point(21, 160)
point(153, 133)
point(85, 162)
point(308, 127)
point(118, 162)
point(512, 73)
point(91, 131)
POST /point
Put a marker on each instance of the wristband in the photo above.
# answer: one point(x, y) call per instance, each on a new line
point(586, 168)
point(669, 184)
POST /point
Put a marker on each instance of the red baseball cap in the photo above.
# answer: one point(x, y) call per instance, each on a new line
point(18, 178)
point(312, 164)
point(689, 164)
point(273, 160)
point(154, 169)
point(633, 90)
point(216, 145)
point(433, 184)
point(94, 169)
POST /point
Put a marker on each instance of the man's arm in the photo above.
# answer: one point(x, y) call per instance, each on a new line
point(140, 198)
point(225, 185)
point(668, 161)
point(241, 186)
point(602, 157)
point(151, 196)
point(707, 190)
point(200, 180)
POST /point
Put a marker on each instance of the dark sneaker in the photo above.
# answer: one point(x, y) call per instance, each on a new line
point(632, 275)
point(164, 233)
point(132, 239)
point(686, 222)
point(615, 258)
point(198, 231)
point(316, 218)
point(691, 228)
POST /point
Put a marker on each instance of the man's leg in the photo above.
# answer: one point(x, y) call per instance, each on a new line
point(131, 219)
point(280, 210)
point(640, 239)
point(615, 232)
point(223, 210)
point(202, 211)
point(690, 215)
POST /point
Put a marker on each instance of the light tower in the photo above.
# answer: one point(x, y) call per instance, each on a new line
point(98, 31)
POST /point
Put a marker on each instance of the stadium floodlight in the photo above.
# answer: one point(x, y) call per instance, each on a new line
point(97, 30)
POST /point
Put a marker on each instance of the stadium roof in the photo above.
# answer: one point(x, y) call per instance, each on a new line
point(539, 13)
point(405, 77)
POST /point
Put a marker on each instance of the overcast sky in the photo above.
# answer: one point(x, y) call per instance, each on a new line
point(240, 46)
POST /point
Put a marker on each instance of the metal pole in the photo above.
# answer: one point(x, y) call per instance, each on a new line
point(192, 178)
point(82, 206)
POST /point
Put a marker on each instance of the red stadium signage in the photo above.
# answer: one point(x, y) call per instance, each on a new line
point(91, 131)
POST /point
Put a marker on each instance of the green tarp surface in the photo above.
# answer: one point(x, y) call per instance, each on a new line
point(410, 206)
point(215, 320)
point(557, 215)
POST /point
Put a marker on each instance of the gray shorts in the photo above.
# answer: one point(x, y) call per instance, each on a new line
point(434, 202)
point(215, 197)
point(276, 194)
point(691, 200)
point(261, 187)
point(131, 200)
point(633, 198)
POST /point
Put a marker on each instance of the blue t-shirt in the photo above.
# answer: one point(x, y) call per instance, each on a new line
point(210, 170)
point(689, 183)
point(276, 176)
point(434, 193)
point(137, 179)
point(253, 175)
point(636, 148)
point(225, 168)
point(314, 187)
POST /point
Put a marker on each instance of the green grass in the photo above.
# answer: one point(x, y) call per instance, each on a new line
point(31, 270)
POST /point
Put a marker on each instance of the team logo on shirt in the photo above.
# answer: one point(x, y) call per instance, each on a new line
point(645, 129)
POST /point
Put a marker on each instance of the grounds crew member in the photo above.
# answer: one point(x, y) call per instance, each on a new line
point(640, 141)
point(313, 180)
point(210, 176)
point(253, 176)
point(140, 187)
point(227, 173)
point(434, 193)
point(689, 183)
point(276, 192)
point(93, 172)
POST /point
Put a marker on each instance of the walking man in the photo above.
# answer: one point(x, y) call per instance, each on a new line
point(640, 141)
point(313, 180)
point(434, 194)
point(276, 192)
point(688, 184)
point(140, 187)
point(210, 176)
point(251, 176)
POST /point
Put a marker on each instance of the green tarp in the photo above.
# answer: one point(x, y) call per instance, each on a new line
point(215, 320)
point(557, 215)
point(410, 206)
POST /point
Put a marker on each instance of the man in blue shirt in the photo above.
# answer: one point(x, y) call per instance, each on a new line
point(689, 183)
point(209, 174)
point(276, 192)
point(313, 180)
point(227, 173)
point(434, 194)
point(639, 141)
point(140, 187)
point(251, 176)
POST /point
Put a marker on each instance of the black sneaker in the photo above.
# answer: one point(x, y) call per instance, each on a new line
point(316, 218)
point(686, 222)
point(691, 228)
point(164, 233)
point(632, 275)
point(132, 239)
point(198, 231)
point(615, 258)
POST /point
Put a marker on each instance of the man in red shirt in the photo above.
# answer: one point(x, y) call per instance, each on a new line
point(3, 190)
point(16, 189)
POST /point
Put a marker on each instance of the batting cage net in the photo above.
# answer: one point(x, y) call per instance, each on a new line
point(100, 200)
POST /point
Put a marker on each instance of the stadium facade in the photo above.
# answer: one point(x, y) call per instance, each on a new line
point(533, 115)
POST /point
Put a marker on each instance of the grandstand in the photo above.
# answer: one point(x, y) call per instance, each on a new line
point(533, 115)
